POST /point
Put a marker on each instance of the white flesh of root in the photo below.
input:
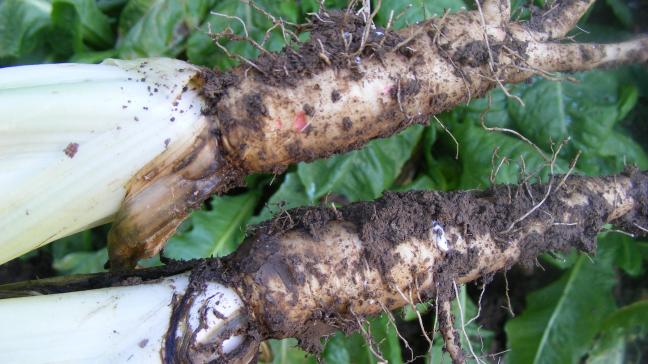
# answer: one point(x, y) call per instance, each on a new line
point(72, 136)
point(112, 325)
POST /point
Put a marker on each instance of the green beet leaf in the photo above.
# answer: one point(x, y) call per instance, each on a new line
point(216, 232)
point(545, 331)
point(23, 31)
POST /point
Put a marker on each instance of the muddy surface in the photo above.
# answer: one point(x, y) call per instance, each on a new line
point(214, 87)
point(397, 217)
point(336, 39)
point(541, 19)
point(473, 54)
point(339, 42)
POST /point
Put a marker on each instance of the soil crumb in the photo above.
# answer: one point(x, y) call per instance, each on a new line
point(71, 150)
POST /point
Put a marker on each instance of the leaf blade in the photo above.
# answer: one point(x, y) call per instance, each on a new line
point(217, 232)
point(543, 333)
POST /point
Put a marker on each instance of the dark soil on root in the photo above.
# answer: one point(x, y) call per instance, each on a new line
point(473, 54)
point(540, 16)
point(397, 217)
point(336, 39)
point(336, 42)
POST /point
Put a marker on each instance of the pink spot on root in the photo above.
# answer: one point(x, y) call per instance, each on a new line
point(300, 121)
point(278, 123)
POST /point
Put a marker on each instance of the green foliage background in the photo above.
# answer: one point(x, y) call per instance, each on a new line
point(596, 308)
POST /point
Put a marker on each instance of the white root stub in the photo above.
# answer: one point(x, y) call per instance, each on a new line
point(125, 324)
point(437, 234)
point(213, 316)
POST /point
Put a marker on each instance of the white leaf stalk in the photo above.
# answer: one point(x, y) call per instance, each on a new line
point(72, 136)
point(122, 324)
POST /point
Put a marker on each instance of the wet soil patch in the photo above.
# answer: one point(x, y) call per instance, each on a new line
point(540, 18)
point(347, 124)
point(473, 54)
point(637, 220)
point(254, 105)
point(405, 89)
point(336, 41)
point(335, 96)
point(398, 217)
point(213, 86)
